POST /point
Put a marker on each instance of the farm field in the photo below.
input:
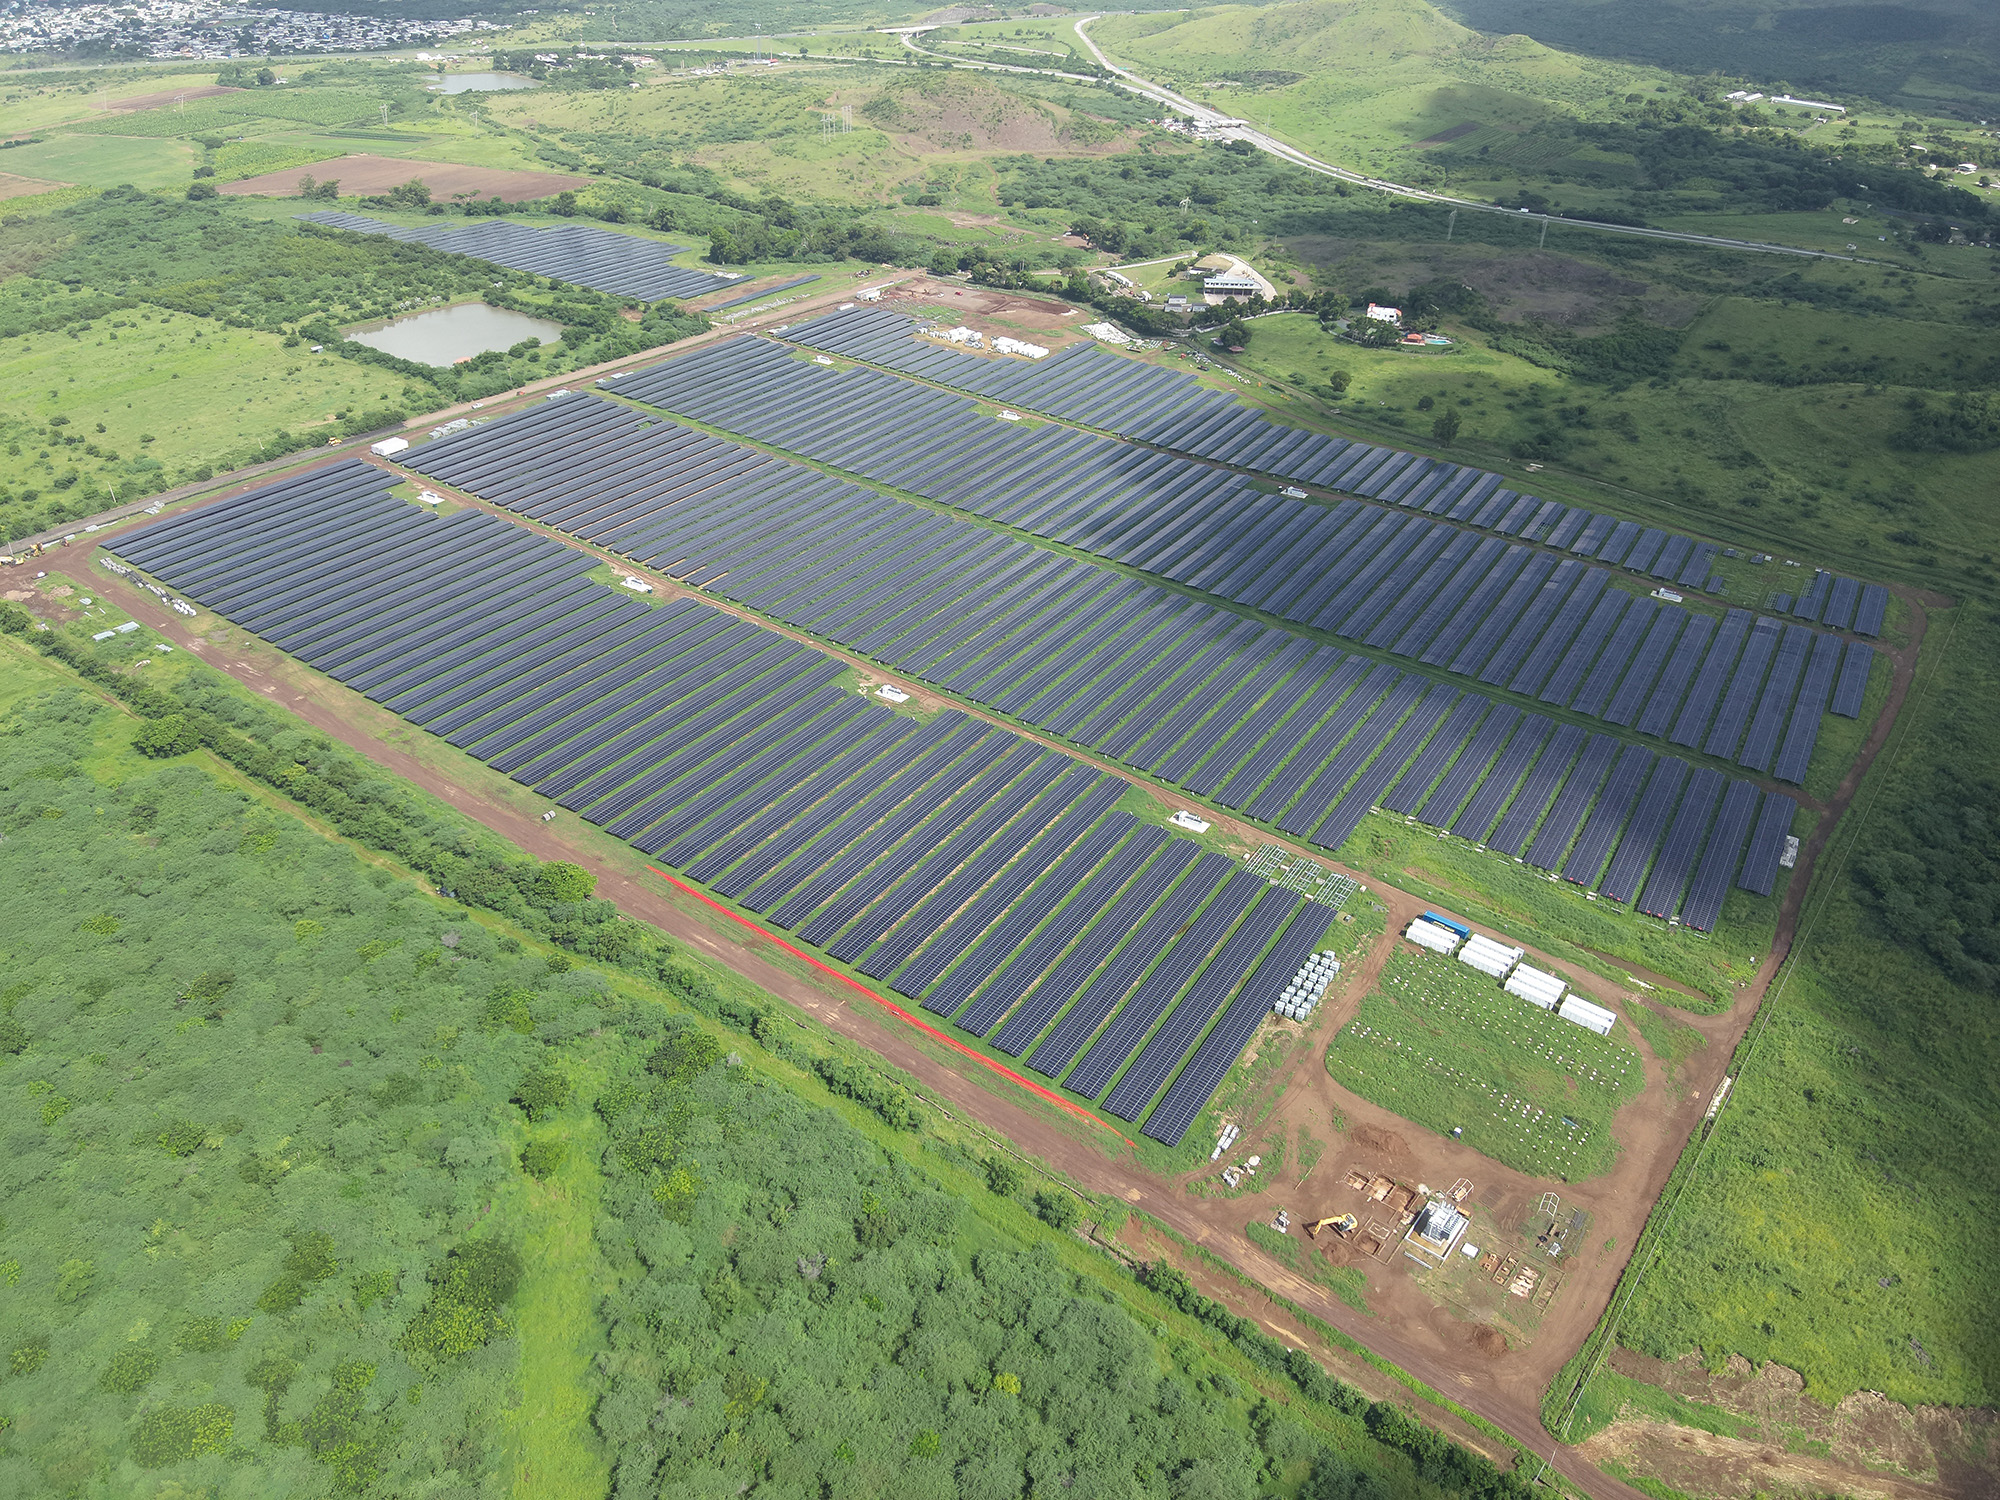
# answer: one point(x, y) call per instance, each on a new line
point(362, 173)
point(99, 161)
point(1446, 1047)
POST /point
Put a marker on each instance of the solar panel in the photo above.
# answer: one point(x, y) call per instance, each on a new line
point(1725, 846)
point(1761, 861)
point(1855, 665)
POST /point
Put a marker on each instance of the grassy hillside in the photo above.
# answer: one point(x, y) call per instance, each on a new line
point(1937, 57)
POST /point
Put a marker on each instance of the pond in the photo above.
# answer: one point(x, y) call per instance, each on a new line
point(446, 335)
point(477, 83)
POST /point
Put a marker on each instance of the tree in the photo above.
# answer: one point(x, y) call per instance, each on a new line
point(1339, 380)
point(1002, 1176)
point(559, 883)
point(1445, 427)
point(199, 190)
point(1235, 335)
point(170, 736)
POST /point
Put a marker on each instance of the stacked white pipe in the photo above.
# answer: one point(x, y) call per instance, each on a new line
point(1308, 987)
point(1224, 1141)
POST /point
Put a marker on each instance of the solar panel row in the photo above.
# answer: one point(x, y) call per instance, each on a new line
point(1094, 387)
point(1306, 738)
point(1855, 665)
point(1402, 582)
point(623, 264)
point(723, 748)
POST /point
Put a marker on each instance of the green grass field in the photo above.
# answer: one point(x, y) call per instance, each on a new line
point(160, 396)
point(99, 161)
point(1447, 1048)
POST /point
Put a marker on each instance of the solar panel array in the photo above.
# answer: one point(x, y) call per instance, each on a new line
point(1301, 736)
point(1510, 615)
point(1088, 384)
point(955, 860)
point(623, 264)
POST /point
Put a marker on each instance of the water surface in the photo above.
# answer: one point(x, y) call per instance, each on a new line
point(477, 83)
point(445, 335)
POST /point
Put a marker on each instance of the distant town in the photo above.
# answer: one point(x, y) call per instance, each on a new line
point(202, 28)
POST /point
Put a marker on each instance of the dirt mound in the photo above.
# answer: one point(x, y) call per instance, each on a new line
point(1369, 1138)
point(929, 114)
point(377, 174)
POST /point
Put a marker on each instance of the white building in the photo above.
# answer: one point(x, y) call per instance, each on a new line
point(1383, 314)
point(1488, 957)
point(1427, 934)
point(1535, 987)
point(388, 447)
point(1232, 284)
point(1438, 1227)
point(1591, 1017)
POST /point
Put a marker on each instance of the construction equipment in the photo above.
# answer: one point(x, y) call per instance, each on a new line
point(1341, 1224)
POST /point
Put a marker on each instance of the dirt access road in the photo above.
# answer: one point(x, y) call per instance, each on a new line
point(1501, 1384)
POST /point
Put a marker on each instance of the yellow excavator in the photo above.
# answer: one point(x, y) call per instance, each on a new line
point(1342, 1225)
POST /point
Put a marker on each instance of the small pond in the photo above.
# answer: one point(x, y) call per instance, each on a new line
point(477, 83)
point(445, 335)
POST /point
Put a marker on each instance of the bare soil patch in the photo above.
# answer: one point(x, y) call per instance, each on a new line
point(1866, 1445)
point(377, 174)
point(24, 187)
point(992, 312)
point(166, 96)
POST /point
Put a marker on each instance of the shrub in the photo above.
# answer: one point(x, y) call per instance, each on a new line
point(507, 1010)
point(29, 1355)
point(683, 1056)
point(542, 1091)
point(309, 1263)
point(559, 884)
point(129, 1372)
point(543, 1159)
point(182, 1138)
point(172, 1434)
point(468, 1289)
point(1057, 1209)
point(1003, 1176)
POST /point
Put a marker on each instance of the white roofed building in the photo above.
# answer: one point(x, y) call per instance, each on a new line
point(1591, 1017)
